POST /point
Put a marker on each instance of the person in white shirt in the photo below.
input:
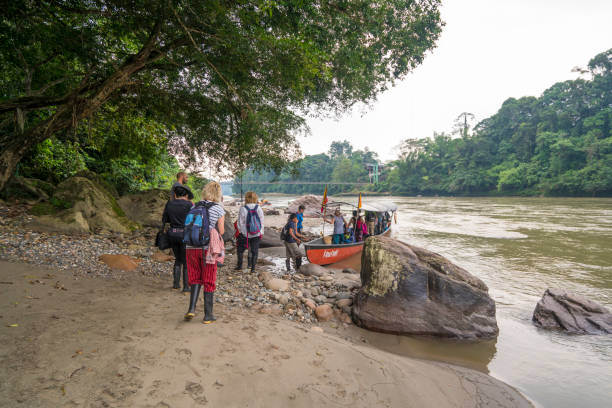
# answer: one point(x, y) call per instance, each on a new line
point(250, 229)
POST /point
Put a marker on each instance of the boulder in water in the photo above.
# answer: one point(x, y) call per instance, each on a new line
point(409, 290)
point(564, 311)
point(311, 202)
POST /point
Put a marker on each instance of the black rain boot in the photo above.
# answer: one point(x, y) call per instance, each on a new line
point(177, 277)
point(239, 264)
point(193, 300)
point(288, 264)
point(298, 263)
point(249, 260)
point(208, 308)
point(186, 287)
point(253, 263)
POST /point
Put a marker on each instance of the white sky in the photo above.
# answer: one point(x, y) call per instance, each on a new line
point(489, 50)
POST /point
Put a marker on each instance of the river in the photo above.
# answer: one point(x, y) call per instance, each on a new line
point(519, 247)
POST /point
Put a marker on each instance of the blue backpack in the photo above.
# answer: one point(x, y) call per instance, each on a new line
point(253, 222)
point(197, 225)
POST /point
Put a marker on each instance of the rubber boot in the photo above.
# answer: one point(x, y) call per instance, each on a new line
point(253, 263)
point(186, 287)
point(249, 260)
point(298, 263)
point(288, 264)
point(208, 308)
point(193, 300)
point(177, 277)
point(239, 264)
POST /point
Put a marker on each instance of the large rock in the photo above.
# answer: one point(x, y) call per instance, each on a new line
point(311, 269)
point(561, 310)
point(409, 290)
point(271, 238)
point(228, 225)
point(88, 207)
point(277, 284)
point(311, 202)
point(146, 207)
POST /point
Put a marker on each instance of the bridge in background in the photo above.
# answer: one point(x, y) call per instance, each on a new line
point(302, 182)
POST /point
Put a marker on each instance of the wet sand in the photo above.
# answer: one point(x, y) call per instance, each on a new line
point(95, 342)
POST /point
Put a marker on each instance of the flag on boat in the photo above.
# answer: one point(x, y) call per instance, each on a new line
point(324, 202)
point(359, 203)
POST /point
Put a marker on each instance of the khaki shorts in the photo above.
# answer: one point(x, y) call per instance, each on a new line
point(291, 249)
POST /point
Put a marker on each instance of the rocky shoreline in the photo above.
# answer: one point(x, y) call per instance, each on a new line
point(293, 296)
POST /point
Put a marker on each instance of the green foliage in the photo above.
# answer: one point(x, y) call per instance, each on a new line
point(224, 80)
point(53, 160)
point(557, 144)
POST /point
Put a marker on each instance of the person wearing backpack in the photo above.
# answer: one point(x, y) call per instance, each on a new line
point(175, 212)
point(204, 217)
point(291, 238)
point(251, 229)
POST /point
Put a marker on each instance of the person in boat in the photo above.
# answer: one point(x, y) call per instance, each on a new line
point(370, 221)
point(250, 228)
point(339, 226)
point(292, 239)
point(352, 226)
point(300, 218)
point(361, 230)
point(202, 261)
point(174, 214)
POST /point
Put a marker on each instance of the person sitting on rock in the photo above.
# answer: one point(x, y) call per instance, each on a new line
point(339, 226)
point(292, 241)
point(174, 214)
point(250, 228)
point(200, 272)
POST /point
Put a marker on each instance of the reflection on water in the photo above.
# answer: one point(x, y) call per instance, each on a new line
point(519, 247)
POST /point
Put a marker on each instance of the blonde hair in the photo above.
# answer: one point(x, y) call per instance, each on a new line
point(250, 197)
point(212, 192)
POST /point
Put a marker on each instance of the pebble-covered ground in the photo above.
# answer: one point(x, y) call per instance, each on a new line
point(299, 298)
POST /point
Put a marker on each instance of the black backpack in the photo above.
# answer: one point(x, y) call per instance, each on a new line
point(284, 234)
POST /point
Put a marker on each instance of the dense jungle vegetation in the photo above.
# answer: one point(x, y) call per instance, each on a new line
point(557, 144)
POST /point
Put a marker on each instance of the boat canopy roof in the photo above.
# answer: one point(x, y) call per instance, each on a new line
point(371, 206)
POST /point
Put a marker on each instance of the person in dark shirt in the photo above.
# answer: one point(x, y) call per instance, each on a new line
point(292, 241)
point(174, 214)
point(181, 181)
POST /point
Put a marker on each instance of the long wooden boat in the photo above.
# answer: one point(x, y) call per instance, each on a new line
point(318, 252)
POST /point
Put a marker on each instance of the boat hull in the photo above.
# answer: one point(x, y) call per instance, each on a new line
point(320, 253)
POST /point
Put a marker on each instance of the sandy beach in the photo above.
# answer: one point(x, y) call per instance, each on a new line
point(103, 342)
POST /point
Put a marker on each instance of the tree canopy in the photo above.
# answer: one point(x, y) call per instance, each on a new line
point(229, 81)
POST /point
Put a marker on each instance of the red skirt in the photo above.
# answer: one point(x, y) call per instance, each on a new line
point(201, 273)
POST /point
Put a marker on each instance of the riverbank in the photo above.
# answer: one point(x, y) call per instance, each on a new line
point(70, 340)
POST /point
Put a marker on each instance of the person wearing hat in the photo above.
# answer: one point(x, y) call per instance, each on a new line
point(339, 226)
point(174, 214)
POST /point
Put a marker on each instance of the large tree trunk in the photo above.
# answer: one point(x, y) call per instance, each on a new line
point(14, 146)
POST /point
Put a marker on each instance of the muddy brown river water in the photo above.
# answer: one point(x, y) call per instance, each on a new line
point(519, 247)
